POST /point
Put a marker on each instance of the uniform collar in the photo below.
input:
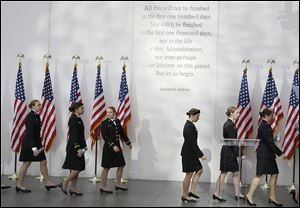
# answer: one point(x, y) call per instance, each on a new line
point(265, 121)
point(189, 121)
point(229, 119)
point(34, 111)
point(78, 116)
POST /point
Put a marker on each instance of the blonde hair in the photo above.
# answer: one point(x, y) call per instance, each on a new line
point(112, 108)
point(230, 110)
point(32, 103)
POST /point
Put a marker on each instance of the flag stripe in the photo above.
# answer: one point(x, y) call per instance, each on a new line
point(98, 113)
point(244, 122)
point(123, 112)
point(291, 134)
point(18, 126)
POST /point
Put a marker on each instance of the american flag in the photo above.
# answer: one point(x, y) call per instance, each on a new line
point(291, 134)
point(123, 112)
point(75, 95)
point(271, 100)
point(98, 109)
point(18, 128)
point(244, 122)
point(47, 113)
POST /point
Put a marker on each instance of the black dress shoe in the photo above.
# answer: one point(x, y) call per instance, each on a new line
point(18, 189)
point(185, 200)
point(52, 186)
point(217, 198)
point(193, 195)
point(62, 189)
point(251, 204)
point(5, 187)
point(275, 203)
point(76, 193)
point(105, 191)
point(239, 197)
point(120, 188)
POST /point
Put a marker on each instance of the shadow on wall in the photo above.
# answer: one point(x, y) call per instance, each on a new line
point(146, 157)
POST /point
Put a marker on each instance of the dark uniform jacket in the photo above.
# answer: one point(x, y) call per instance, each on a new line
point(32, 134)
point(229, 132)
point(32, 139)
point(76, 139)
point(190, 147)
point(113, 133)
point(267, 147)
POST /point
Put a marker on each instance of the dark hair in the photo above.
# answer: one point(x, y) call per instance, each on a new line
point(75, 106)
point(193, 111)
point(231, 110)
point(266, 112)
point(112, 108)
point(32, 103)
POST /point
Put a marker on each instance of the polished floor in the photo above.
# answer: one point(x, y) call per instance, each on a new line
point(141, 194)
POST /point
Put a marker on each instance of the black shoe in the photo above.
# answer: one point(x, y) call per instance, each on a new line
point(275, 203)
point(251, 204)
point(293, 193)
point(62, 189)
point(18, 189)
point(105, 191)
point(52, 186)
point(217, 198)
point(187, 200)
point(239, 197)
point(5, 187)
point(120, 188)
point(193, 195)
point(76, 193)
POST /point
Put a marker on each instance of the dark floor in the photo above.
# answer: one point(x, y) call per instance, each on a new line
point(141, 193)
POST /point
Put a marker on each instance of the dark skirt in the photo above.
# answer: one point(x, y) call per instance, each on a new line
point(26, 155)
point(229, 164)
point(190, 164)
point(266, 166)
point(73, 162)
point(112, 159)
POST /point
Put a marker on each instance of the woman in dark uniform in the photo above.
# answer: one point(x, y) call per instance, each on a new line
point(229, 154)
point(112, 156)
point(32, 148)
point(76, 147)
point(266, 155)
point(191, 154)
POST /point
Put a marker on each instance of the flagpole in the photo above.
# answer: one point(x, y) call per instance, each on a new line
point(245, 62)
point(47, 57)
point(266, 187)
point(124, 59)
point(292, 188)
point(15, 176)
point(96, 179)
